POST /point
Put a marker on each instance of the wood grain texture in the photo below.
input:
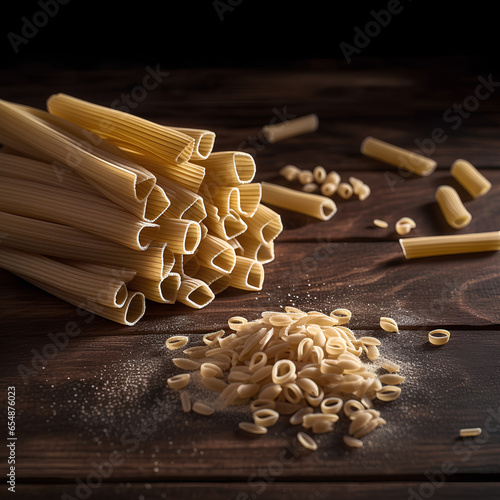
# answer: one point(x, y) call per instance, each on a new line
point(271, 488)
point(114, 405)
point(96, 392)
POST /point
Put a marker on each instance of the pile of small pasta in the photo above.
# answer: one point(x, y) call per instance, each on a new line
point(104, 209)
point(304, 364)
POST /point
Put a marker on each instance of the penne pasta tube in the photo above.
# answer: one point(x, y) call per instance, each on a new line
point(398, 157)
point(93, 214)
point(142, 135)
point(247, 274)
point(290, 128)
point(265, 224)
point(163, 290)
point(229, 168)
point(18, 167)
point(181, 236)
point(225, 226)
point(58, 240)
point(18, 128)
point(452, 208)
point(238, 249)
point(255, 249)
point(185, 204)
point(217, 254)
point(216, 280)
point(249, 200)
point(429, 246)
point(187, 175)
point(204, 141)
point(86, 285)
point(194, 293)
point(310, 204)
point(470, 178)
point(129, 314)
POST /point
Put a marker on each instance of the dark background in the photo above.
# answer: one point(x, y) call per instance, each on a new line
point(252, 32)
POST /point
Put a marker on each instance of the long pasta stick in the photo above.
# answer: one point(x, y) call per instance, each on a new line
point(58, 240)
point(129, 314)
point(18, 127)
point(95, 215)
point(398, 157)
point(19, 167)
point(428, 246)
point(310, 204)
point(143, 135)
point(83, 284)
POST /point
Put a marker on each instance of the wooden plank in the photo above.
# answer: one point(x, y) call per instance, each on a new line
point(371, 278)
point(271, 488)
point(105, 399)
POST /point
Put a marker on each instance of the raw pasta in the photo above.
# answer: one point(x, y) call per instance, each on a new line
point(470, 178)
point(310, 204)
point(452, 208)
point(428, 246)
point(290, 128)
point(397, 156)
point(110, 192)
point(273, 365)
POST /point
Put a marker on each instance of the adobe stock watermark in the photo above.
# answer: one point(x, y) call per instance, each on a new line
point(363, 36)
point(223, 6)
point(451, 120)
point(32, 25)
point(463, 450)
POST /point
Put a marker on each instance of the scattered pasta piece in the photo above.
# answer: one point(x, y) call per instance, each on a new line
point(178, 382)
point(429, 246)
point(439, 336)
point(202, 408)
point(332, 178)
point(391, 379)
point(471, 432)
point(310, 204)
point(185, 402)
point(305, 177)
point(266, 417)
point(452, 208)
point(307, 441)
point(310, 187)
point(345, 190)
point(290, 128)
point(319, 174)
point(405, 225)
point(398, 157)
point(380, 223)
point(470, 178)
point(352, 442)
point(328, 189)
point(388, 324)
point(252, 428)
point(176, 342)
point(290, 172)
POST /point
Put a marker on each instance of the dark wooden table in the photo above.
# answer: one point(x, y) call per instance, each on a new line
point(95, 417)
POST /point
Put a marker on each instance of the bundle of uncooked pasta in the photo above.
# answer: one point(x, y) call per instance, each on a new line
point(105, 209)
point(307, 365)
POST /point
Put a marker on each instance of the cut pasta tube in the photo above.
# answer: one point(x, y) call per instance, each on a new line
point(310, 204)
point(398, 157)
